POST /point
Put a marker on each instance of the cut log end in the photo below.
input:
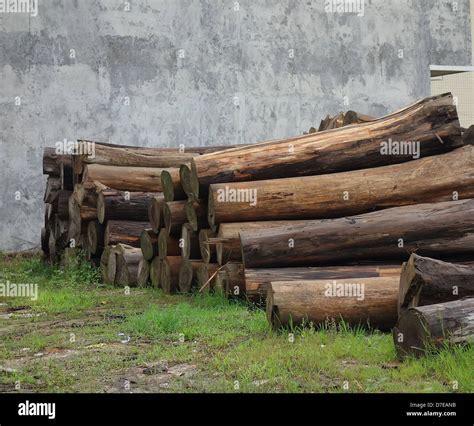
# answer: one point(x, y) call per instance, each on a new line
point(185, 276)
point(167, 185)
point(148, 244)
point(143, 273)
point(208, 251)
point(155, 213)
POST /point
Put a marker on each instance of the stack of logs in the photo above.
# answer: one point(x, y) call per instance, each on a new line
point(355, 221)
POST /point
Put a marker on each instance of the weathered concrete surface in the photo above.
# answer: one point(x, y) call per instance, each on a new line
point(238, 81)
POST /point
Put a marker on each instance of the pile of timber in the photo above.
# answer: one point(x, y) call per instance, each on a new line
point(319, 227)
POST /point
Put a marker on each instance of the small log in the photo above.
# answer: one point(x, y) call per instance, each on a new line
point(63, 204)
point(155, 272)
point(104, 260)
point(196, 214)
point(53, 186)
point(169, 275)
point(357, 301)
point(205, 276)
point(174, 216)
point(426, 328)
point(124, 205)
point(149, 244)
point(441, 230)
point(207, 251)
point(188, 275)
point(168, 245)
point(171, 186)
point(426, 281)
point(128, 259)
point(124, 232)
point(156, 214)
point(143, 273)
point(232, 279)
point(52, 162)
point(95, 237)
point(189, 243)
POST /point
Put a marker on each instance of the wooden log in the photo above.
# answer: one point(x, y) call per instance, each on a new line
point(87, 193)
point(155, 272)
point(426, 281)
point(188, 275)
point(357, 301)
point(45, 240)
point(168, 245)
point(155, 214)
point(196, 214)
point(52, 162)
point(441, 230)
point(95, 237)
point(353, 117)
point(432, 179)
point(205, 276)
point(257, 281)
point(137, 179)
point(432, 122)
point(128, 260)
point(124, 232)
point(124, 205)
point(227, 242)
point(53, 186)
point(63, 204)
point(169, 274)
point(171, 186)
point(174, 216)
point(112, 265)
point(207, 250)
point(104, 260)
point(424, 329)
point(149, 244)
point(189, 243)
point(231, 279)
point(143, 273)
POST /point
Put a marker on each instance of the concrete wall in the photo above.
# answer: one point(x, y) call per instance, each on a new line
point(201, 72)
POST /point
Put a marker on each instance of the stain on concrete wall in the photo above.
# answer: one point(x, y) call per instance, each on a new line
point(201, 72)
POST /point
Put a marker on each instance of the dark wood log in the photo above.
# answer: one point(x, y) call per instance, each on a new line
point(426, 281)
point(45, 241)
point(149, 244)
point(440, 230)
point(189, 243)
point(124, 205)
point(257, 281)
point(169, 274)
point(353, 117)
point(424, 329)
point(205, 276)
point(112, 265)
point(95, 237)
point(428, 180)
point(208, 251)
point(63, 204)
point(156, 214)
point(124, 232)
point(171, 186)
point(155, 272)
point(196, 214)
point(188, 275)
point(143, 273)
point(168, 245)
point(135, 179)
point(53, 186)
point(357, 301)
point(52, 162)
point(231, 278)
point(174, 216)
point(104, 261)
point(432, 122)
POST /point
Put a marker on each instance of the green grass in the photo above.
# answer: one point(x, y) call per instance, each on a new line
point(82, 336)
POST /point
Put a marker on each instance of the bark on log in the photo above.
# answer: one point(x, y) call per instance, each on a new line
point(257, 281)
point(63, 204)
point(353, 117)
point(205, 275)
point(95, 237)
point(53, 186)
point(124, 232)
point(357, 301)
point(433, 122)
point(52, 162)
point(426, 281)
point(207, 250)
point(189, 243)
point(156, 214)
point(104, 261)
point(188, 275)
point(143, 273)
point(124, 205)
point(138, 179)
point(442, 230)
point(428, 180)
point(168, 245)
point(426, 328)
point(171, 186)
point(174, 216)
point(169, 274)
point(149, 244)
point(155, 272)
point(196, 214)
point(231, 278)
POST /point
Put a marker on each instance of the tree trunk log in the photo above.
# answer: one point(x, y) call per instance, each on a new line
point(143, 273)
point(124, 232)
point(357, 301)
point(149, 244)
point(53, 186)
point(124, 205)
point(231, 279)
point(128, 259)
point(206, 274)
point(189, 243)
point(257, 281)
point(188, 275)
point(174, 216)
point(428, 180)
point(155, 272)
point(169, 275)
point(104, 261)
point(426, 328)
point(168, 245)
point(52, 162)
point(433, 122)
point(95, 236)
point(196, 214)
point(442, 230)
point(156, 214)
point(426, 281)
point(207, 251)
point(171, 186)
